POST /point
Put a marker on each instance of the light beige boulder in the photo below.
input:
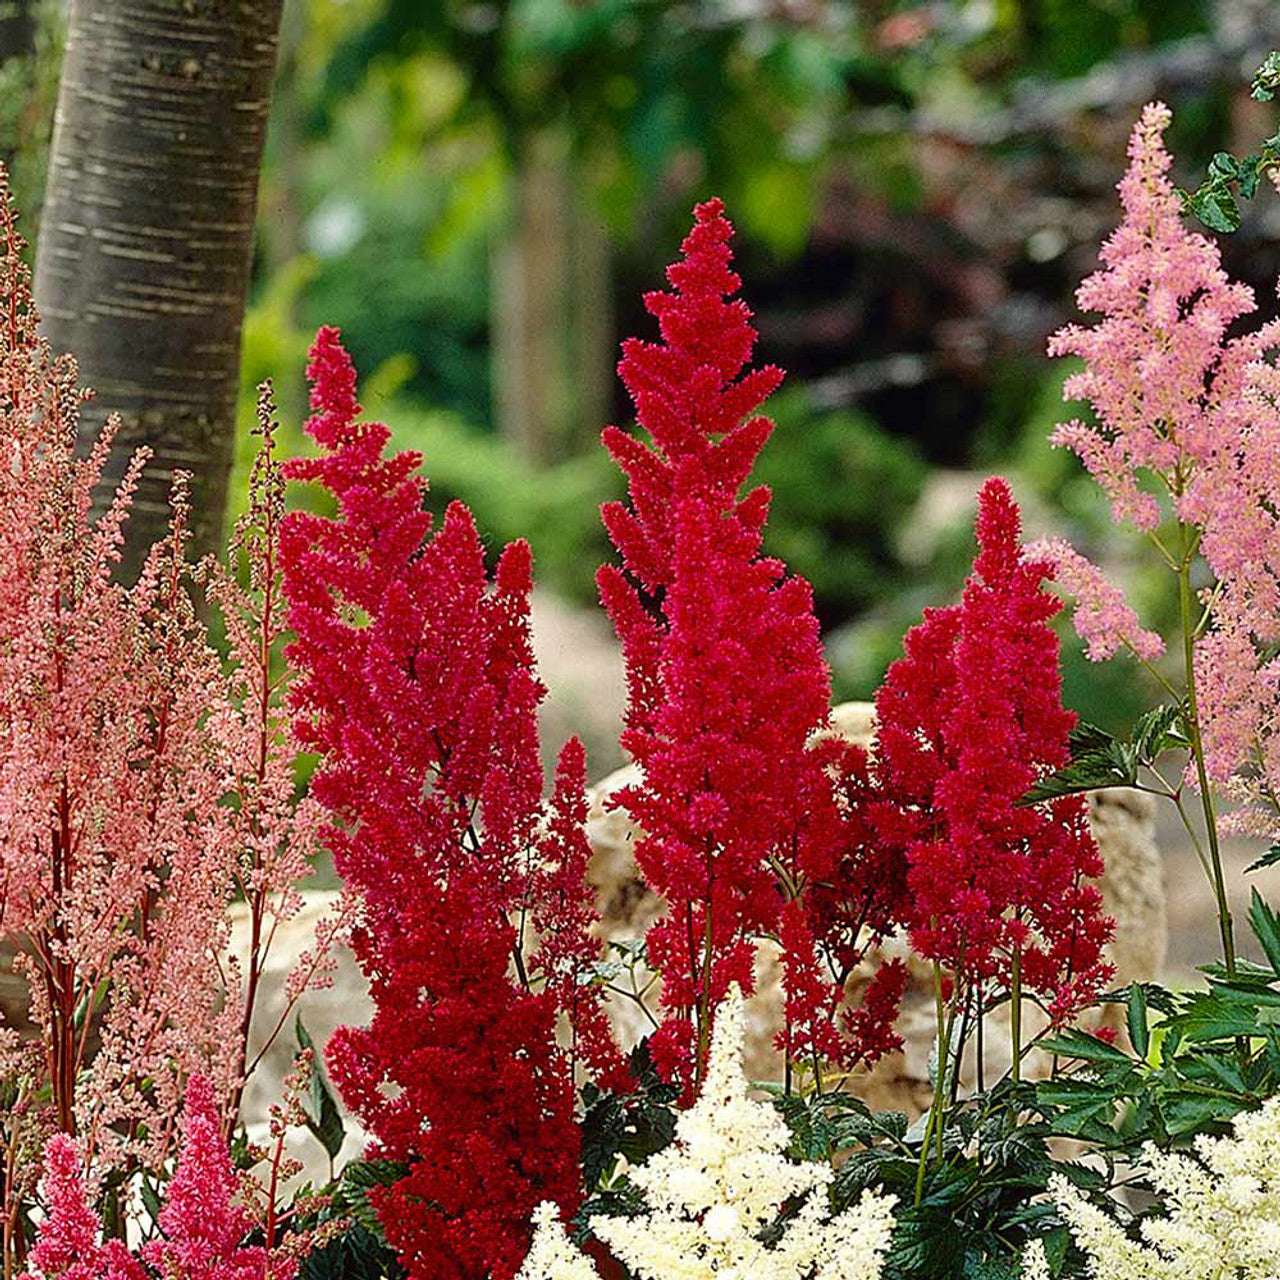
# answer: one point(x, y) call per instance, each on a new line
point(323, 1009)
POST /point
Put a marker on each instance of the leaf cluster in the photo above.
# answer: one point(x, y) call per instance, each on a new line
point(1215, 200)
point(620, 1130)
point(979, 1205)
point(360, 1250)
point(1099, 759)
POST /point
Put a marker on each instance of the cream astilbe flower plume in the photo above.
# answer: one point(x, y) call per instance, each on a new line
point(552, 1256)
point(1224, 1211)
point(725, 1177)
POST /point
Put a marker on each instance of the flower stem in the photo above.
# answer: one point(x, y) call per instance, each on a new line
point(1186, 606)
point(935, 1125)
point(1015, 1015)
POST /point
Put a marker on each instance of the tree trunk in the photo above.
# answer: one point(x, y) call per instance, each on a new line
point(143, 262)
point(530, 303)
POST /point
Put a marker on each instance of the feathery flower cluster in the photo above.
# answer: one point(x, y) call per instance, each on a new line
point(202, 1221)
point(1103, 619)
point(70, 1246)
point(1196, 410)
point(275, 835)
point(1161, 374)
point(114, 853)
point(968, 719)
point(417, 689)
point(1223, 1211)
point(726, 677)
point(723, 1180)
point(1035, 1262)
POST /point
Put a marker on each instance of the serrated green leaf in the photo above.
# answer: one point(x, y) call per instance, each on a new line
point(1190, 1112)
point(1158, 731)
point(1268, 859)
point(1216, 207)
point(1079, 1044)
point(1266, 928)
point(1223, 165)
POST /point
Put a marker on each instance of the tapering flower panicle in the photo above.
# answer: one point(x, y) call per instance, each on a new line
point(1160, 372)
point(968, 720)
point(114, 852)
point(1187, 403)
point(275, 834)
point(203, 1221)
point(416, 688)
point(725, 671)
point(711, 1195)
point(69, 1245)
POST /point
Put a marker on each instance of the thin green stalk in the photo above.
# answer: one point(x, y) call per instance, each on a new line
point(934, 1126)
point(1186, 606)
point(1015, 1018)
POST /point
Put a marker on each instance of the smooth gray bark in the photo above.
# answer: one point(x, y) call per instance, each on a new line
point(143, 260)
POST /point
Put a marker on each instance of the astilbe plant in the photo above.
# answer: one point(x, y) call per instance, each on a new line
point(274, 833)
point(1000, 895)
point(114, 852)
point(417, 689)
point(712, 1199)
point(1184, 441)
point(1222, 1202)
point(202, 1224)
point(727, 685)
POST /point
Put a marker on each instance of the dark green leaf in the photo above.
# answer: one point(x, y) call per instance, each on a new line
point(324, 1120)
point(1223, 165)
point(1158, 731)
point(1266, 80)
point(1266, 928)
point(1268, 859)
point(1079, 1044)
point(1139, 1032)
point(1216, 207)
point(1250, 171)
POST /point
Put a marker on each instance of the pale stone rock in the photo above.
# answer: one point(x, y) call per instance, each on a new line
point(323, 1009)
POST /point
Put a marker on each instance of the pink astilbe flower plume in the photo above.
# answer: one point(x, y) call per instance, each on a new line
point(968, 720)
point(69, 1245)
point(114, 857)
point(204, 1219)
point(1190, 408)
point(726, 676)
point(416, 688)
point(1160, 372)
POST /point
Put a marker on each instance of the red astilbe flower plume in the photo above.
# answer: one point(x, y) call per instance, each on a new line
point(968, 720)
point(416, 687)
point(726, 675)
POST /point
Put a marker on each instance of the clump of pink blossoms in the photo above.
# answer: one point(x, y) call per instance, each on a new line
point(114, 850)
point(1187, 432)
point(203, 1221)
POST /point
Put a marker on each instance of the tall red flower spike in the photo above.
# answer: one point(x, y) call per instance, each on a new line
point(417, 690)
point(969, 719)
point(725, 670)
